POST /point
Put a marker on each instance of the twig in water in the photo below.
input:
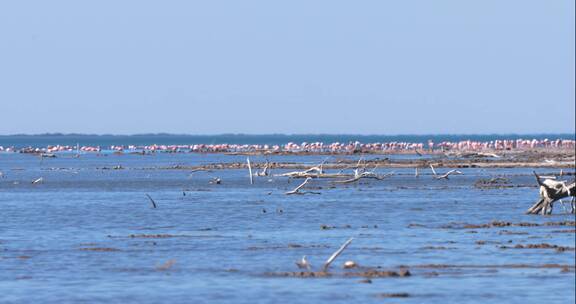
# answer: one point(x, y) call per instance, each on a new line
point(433, 171)
point(358, 176)
point(436, 176)
point(297, 189)
point(250, 171)
point(38, 181)
point(152, 201)
point(336, 254)
point(448, 174)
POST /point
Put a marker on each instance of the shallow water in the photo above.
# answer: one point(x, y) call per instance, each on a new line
point(217, 244)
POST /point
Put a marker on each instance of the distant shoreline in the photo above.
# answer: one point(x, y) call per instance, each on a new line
point(280, 145)
point(498, 135)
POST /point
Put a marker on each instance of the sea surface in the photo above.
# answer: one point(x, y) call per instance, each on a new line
point(88, 234)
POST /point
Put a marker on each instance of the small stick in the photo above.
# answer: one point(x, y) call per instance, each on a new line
point(359, 161)
point(336, 254)
point(152, 201)
point(357, 177)
point(537, 178)
point(433, 171)
point(299, 187)
point(250, 171)
point(448, 174)
point(38, 181)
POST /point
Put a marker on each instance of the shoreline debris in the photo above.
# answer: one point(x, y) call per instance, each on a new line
point(250, 171)
point(550, 192)
point(336, 254)
point(297, 189)
point(445, 175)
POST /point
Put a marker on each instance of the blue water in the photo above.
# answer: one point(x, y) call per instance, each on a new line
point(223, 246)
point(19, 141)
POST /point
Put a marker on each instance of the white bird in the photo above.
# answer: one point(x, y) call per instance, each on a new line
point(303, 263)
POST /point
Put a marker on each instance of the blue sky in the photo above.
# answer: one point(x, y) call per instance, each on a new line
point(355, 67)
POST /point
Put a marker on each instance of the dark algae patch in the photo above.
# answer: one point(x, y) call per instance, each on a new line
point(499, 224)
point(539, 246)
point(100, 249)
point(393, 295)
point(369, 273)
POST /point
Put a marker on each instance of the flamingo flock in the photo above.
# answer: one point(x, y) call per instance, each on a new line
point(317, 147)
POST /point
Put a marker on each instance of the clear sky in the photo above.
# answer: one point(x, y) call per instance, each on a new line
point(356, 67)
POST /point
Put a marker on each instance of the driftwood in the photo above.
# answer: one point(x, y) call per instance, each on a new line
point(297, 189)
point(250, 171)
point(316, 171)
point(550, 192)
point(433, 171)
point(336, 254)
point(300, 174)
point(448, 174)
point(305, 174)
point(358, 176)
point(445, 175)
point(360, 172)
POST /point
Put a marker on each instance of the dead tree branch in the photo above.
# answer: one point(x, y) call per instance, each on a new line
point(250, 171)
point(448, 174)
point(297, 189)
point(336, 254)
point(551, 191)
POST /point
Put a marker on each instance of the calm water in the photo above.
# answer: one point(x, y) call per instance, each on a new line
point(222, 244)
